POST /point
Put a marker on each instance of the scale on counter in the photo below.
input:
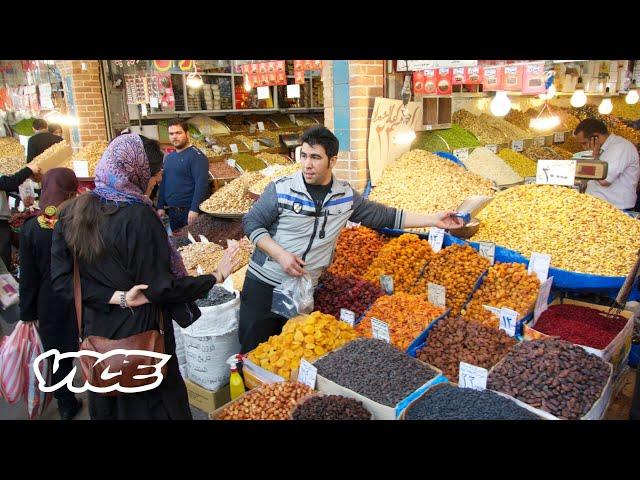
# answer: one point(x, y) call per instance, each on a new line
point(589, 168)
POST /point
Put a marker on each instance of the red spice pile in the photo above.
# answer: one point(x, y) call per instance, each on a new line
point(581, 325)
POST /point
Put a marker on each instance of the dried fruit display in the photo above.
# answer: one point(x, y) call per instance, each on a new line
point(571, 144)
point(376, 370)
point(274, 159)
point(487, 134)
point(506, 285)
point(232, 198)
point(223, 170)
point(537, 152)
point(407, 316)
point(50, 152)
point(356, 249)
point(581, 233)
point(274, 401)
point(568, 121)
point(403, 258)
point(208, 255)
point(330, 407)
point(553, 375)
point(521, 164)
point(216, 296)
point(11, 165)
point(445, 140)
point(277, 171)
point(562, 153)
point(457, 268)
point(487, 164)
point(624, 110)
point(454, 340)
point(238, 278)
point(248, 163)
point(422, 182)
point(348, 292)
point(509, 130)
point(217, 230)
point(629, 133)
point(519, 119)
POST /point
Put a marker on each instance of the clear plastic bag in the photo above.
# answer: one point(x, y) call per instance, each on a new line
point(293, 297)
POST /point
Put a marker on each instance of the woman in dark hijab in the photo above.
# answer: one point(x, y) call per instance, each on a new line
point(55, 315)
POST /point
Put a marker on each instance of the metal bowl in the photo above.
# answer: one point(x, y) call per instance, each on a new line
point(467, 231)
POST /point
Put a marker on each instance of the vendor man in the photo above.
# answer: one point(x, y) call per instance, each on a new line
point(185, 178)
point(41, 139)
point(295, 225)
point(619, 188)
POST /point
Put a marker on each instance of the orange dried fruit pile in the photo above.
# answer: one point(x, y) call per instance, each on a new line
point(355, 250)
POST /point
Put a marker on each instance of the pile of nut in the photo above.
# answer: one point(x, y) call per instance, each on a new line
point(11, 156)
point(422, 182)
point(352, 293)
point(457, 268)
point(306, 336)
point(53, 150)
point(248, 163)
point(376, 370)
point(487, 134)
point(216, 296)
point(232, 198)
point(274, 159)
point(278, 171)
point(274, 401)
point(523, 165)
point(571, 144)
point(454, 340)
point(205, 255)
point(238, 278)
point(91, 153)
point(356, 248)
point(406, 315)
point(537, 152)
point(217, 230)
point(581, 233)
point(487, 164)
point(223, 170)
point(403, 258)
point(519, 119)
point(11, 165)
point(506, 285)
point(509, 130)
point(330, 407)
point(562, 153)
point(553, 375)
point(443, 140)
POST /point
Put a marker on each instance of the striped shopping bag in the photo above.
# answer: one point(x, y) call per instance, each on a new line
point(12, 363)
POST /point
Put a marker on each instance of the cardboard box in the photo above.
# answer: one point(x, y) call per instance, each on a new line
point(206, 400)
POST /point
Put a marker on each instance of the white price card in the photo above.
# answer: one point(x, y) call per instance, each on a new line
point(488, 250)
point(492, 148)
point(261, 126)
point(347, 316)
point(437, 294)
point(293, 91)
point(386, 282)
point(81, 168)
point(231, 162)
point(204, 239)
point(436, 237)
point(380, 330)
point(234, 148)
point(199, 270)
point(517, 145)
point(508, 319)
point(307, 373)
point(494, 310)
point(143, 109)
point(539, 141)
point(190, 237)
point(461, 153)
point(556, 172)
point(428, 127)
point(263, 93)
point(472, 376)
point(153, 102)
point(256, 146)
point(542, 302)
point(558, 137)
point(292, 117)
point(539, 263)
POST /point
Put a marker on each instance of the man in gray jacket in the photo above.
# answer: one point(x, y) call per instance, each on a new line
point(295, 225)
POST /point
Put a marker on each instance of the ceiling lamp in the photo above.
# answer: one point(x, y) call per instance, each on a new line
point(500, 105)
point(579, 98)
point(632, 97)
point(61, 119)
point(247, 83)
point(545, 121)
point(194, 80)
point(606, 106)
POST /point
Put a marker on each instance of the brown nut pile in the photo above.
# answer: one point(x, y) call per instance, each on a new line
point(519, 119)
point(536, 152)
point(277, 171)
point(274, 159)
point(506, 285)
point(91, 153)
point(553, 375)
point(564, 154)
point(51, 151)
point(223, 170)
point(207, 255)
point(11, 156)
point(571, 144)
point(232, 198)
point(274, 401)
point(11, 165)
point(487, 134)
point(509, 130)
point(457, 268)
point(454, 340)
point(330, 407)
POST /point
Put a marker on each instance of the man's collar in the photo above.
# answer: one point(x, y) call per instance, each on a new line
point(298, 184)
point(607, 141)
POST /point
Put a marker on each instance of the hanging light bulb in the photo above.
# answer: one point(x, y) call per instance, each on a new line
point(247, 84)
point(500, 105)
point(606, 106)
point(632, 97)
point(405, 136)
point(579, 98)
point(546, 120)
point(194, 80)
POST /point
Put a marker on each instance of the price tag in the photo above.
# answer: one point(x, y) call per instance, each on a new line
point(517, 145)
point(231, 162)
point(234, 148)
point(494, 310)
point(292, 117)
point(492, 148)
point(380, 330)
point(472, 376)
point(436, 237)
point(539, 263)
point(556, 172)
point(488, 250)
point(539, 141)
point(153, 102)
point(263, 93)
point(307, 373)
point(256, 146)
point(428, 127)
point(386, 281)
point(543, 299)
point(437, 294)
point(190, 237)
point(204, 239)
point(529, 180)
point(81, 168)
point(261, 126)
point(461, 153)
point(508, 319)
point(558, 137)
point(199, 270)
point(347, 316)
point(143, 109)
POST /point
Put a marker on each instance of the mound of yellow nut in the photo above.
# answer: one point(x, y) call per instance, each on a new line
point(306, 336)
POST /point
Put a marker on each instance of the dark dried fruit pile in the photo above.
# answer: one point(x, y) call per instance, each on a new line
point(331, 407)
point(217, 230)
point(448, 402)
point(347, 292)
point(553, 375)
point(455, 340)
point(376, 370)
point(216, 296)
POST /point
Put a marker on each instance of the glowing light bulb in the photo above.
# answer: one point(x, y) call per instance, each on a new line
point(247, 84)
point(632, 97)
point(579, 98)
point(194, 81)
point(500, 105)
point(405, 136)
point(545, 123)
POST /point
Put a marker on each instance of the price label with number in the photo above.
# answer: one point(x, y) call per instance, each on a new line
point(428, 127)
point(386, 281)
point(261, 126)
point(143, 110)
point(492, 148)
point(204, 239)
point(543, 299)
point(347, 316)
point(461, 153)
point(488, 250)
point(231, 162)
point(190, 237)
point(199, 270)
point(558, 137)
point(153, 102)
point(539, 141)
point(307, 373)
point(556, 172)
point(437, 294)
point(472, 376)
point(517, 145)
point(436, 237)
point(494, 310)
point(508, 320)
point(539, 264)
point(81, 168)
point(380, 330)
point(234, 148)
point(256, 146)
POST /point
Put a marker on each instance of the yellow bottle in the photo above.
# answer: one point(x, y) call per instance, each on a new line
point(236, 385)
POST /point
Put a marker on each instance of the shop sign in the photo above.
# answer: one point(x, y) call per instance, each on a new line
point(488, 251)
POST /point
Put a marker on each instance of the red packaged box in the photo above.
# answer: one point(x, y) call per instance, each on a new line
point(262, 67)
point(298, 65)
point(245, 68)
point(533, 79)
point(254, 79)
point(254, 68)
point(512, 78)
point(280, 65)
point(443, 81)
point(473, 75)
point(317, 64)
point(418, 82)
point(308, 64)
point(299, 77)
point(281, 78)
point(458, 76)
point(430, 81)
point(271, 66)
point(492, 79)
point(272, 78)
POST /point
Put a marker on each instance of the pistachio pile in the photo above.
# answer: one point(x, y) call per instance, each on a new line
point(487, 134)
point(232, 198)
point(278, 171)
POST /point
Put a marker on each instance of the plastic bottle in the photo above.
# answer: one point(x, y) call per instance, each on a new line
point(236, 385)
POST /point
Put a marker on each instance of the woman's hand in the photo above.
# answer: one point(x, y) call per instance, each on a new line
point(229, 263)
point(135, 297)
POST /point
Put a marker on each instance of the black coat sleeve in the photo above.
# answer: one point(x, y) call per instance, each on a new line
point(29, 275)
point(10, 183)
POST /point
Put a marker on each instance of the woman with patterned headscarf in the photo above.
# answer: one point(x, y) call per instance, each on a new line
point(129, 271)
point(54, 314)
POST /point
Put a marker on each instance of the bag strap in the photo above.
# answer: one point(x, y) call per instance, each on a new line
point(77, 294)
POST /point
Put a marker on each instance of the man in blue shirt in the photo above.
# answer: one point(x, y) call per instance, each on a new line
point(185, 179)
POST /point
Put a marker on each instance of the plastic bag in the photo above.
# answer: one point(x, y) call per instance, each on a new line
point(293, 297)
point(36, 399)
point(12, 374)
